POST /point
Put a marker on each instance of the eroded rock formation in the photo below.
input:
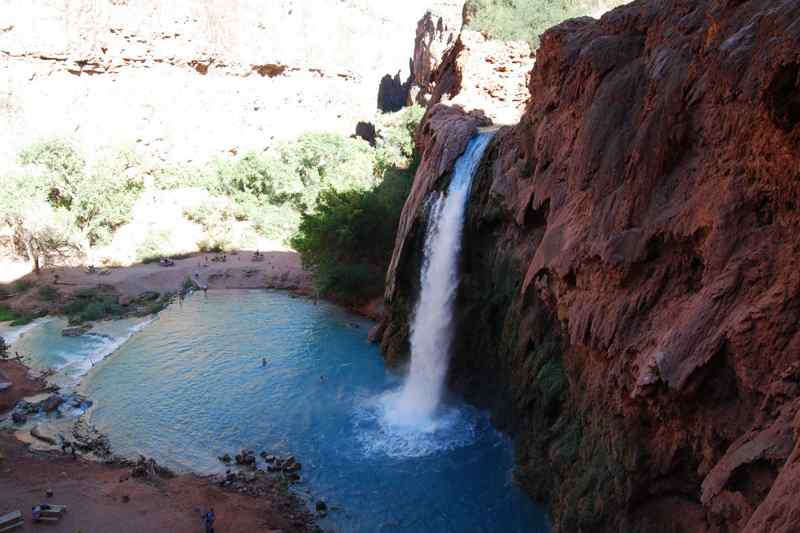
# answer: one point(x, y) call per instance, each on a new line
point(479, 74)
point(435, 34)
point(630, 297)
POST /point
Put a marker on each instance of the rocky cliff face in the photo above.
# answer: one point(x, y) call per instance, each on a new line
point(188, 79)
point(630, 298)
point(463, 68)
point(479, 74)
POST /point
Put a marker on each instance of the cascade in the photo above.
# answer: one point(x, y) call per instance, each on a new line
point(432, 326)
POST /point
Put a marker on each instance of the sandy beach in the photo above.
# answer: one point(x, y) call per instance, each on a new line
point(276, 270)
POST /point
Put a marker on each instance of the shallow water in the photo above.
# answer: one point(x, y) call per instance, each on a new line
point(42, 345)
point(190, 386)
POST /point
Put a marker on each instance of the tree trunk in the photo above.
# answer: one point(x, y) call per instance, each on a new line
point(33, 257)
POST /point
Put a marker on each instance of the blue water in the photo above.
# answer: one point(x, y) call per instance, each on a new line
point(190, 386)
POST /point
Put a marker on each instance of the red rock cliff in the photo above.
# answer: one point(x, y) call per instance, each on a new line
point(630, 296)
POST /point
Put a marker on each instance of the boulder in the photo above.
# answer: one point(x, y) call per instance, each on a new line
point(36, 432)
point(26, 407)
point(52, 403)
point(245, 458)
point(75, 331)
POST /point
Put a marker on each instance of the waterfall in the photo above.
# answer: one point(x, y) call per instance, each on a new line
point(432, 326)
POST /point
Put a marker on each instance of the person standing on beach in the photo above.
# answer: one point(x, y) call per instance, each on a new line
point(208, 520)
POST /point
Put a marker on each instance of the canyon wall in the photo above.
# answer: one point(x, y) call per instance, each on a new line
point(187, 80)
point(630, 296)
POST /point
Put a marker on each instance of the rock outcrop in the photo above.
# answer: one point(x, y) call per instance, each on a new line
point(435, 34)
point(630, 296)
point(188, 80)
point(479, 74)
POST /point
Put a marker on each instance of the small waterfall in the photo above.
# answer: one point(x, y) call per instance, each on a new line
point(432, 326)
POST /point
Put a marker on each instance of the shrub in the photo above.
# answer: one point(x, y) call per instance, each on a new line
point(48, 293)
point(348, 239)
point(184, 176)
point(276, 222)
point(525, 20)
point(99, 200)
point(208, 246)
point(62, 164)
point(6, 314)
point(23, 320)
point(314, 162)
point(92, 304)
point(394, 144)
point(350, 282)
point(156, 258)
point(93, 311)
point(22, 285)
point(155, 245)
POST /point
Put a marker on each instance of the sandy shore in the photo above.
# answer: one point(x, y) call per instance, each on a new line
point(106, 498)
point(277, 270)
point(16, 373)
point(103, 497)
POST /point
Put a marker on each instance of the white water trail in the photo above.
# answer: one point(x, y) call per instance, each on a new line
point(432, 326)
point(12, 334)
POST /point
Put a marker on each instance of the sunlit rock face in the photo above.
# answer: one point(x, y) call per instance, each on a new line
point(479, 74)
point(436, 32)
point(185, 80)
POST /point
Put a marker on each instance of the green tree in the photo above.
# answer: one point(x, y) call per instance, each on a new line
point(40, 231)
point(313, 162)
point(394, 144)
point(99, 200)
point(348, 239)
point(61, 163)
point(526, 20)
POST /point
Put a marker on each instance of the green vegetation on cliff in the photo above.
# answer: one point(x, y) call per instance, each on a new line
point(348, 239)
point(526, 20)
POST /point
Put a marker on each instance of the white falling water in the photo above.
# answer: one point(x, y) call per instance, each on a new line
point(432, 326)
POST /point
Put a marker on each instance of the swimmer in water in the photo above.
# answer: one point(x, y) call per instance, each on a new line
point(263, 361)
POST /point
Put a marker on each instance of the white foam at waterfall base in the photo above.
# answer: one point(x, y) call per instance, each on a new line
point(411, 421)
point(379, 435)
